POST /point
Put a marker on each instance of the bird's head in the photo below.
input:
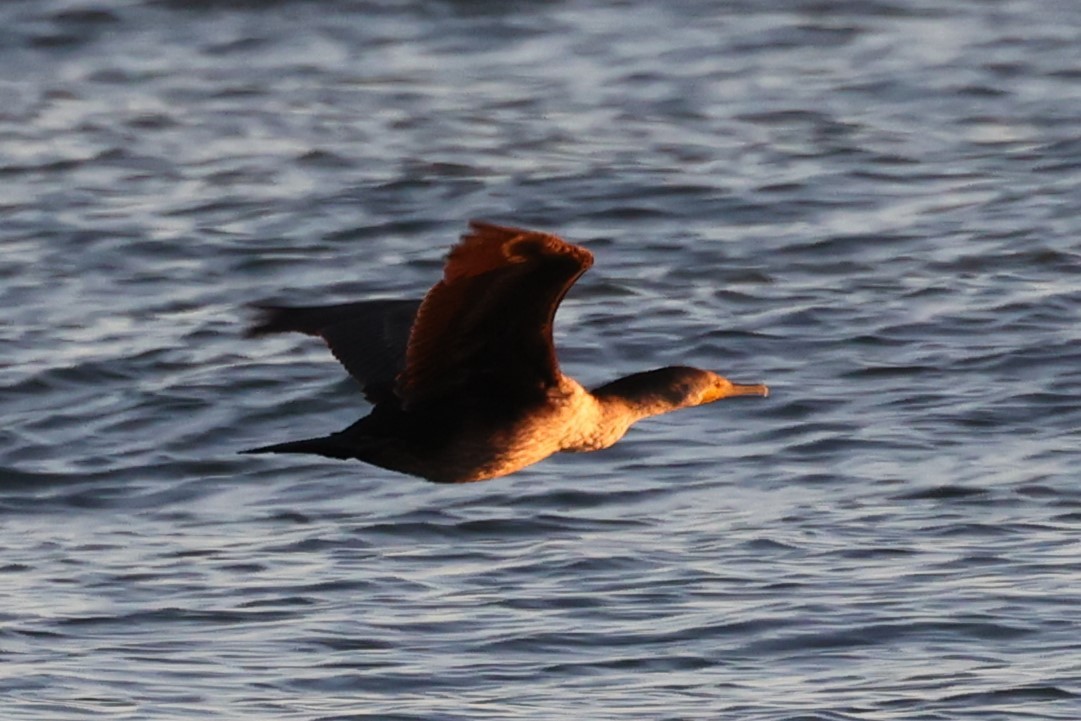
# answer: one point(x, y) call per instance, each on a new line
point(695, 387)
point(666, 389)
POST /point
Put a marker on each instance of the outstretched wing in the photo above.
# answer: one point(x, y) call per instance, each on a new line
point(485, 330)
point(369, 338)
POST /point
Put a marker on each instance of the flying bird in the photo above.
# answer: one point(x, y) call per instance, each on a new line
point(465, 384)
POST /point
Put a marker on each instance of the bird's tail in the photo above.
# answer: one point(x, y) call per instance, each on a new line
point(329, 446)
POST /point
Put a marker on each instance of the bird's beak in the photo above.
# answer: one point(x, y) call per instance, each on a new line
point(736, 389)
point(754, 389)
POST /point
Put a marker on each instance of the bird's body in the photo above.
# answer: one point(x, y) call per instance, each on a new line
point(465, 384)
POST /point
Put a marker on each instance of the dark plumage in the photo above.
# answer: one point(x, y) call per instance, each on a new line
point(465, 384)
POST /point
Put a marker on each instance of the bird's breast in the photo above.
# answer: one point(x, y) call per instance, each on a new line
point(475, 446)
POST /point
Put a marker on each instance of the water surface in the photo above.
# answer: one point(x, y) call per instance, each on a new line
point(870, 206)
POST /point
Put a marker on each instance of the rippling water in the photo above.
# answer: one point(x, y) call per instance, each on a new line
point(872, 206)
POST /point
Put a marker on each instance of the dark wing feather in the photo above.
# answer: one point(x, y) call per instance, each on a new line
point(485, 330)
point(369, 338)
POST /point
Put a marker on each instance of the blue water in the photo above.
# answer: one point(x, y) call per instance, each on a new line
point(871, 206)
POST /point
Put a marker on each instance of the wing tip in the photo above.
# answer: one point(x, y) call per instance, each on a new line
point(487, 245)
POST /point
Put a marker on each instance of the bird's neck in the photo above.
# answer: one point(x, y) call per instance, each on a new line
point(639, 396)
point(602, 416)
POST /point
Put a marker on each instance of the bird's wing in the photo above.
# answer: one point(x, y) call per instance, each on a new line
point(485, 330)
point(369, 338)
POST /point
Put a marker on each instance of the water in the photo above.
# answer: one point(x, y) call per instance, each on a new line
point(873, 207)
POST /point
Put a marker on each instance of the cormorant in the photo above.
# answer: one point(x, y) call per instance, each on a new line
point(465, 384)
